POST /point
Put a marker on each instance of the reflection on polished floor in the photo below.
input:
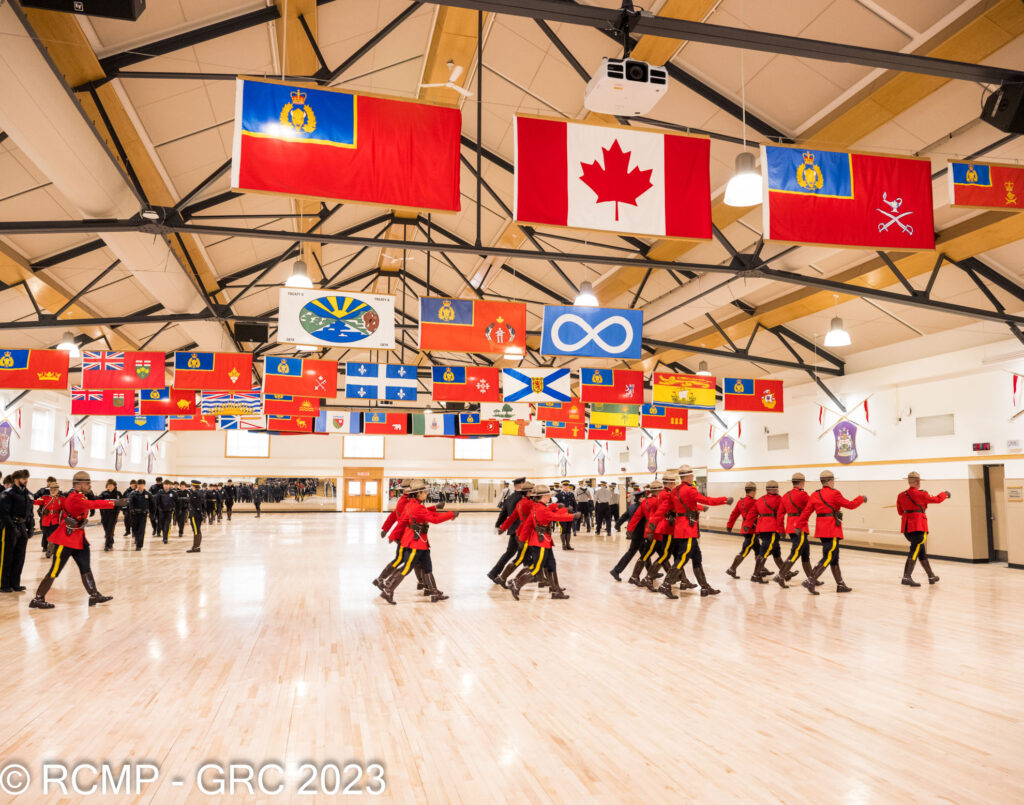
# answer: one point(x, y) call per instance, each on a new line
point(271, 645)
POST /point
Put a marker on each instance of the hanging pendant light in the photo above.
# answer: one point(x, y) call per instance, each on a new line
point(300, 276)
point(702, 369)
point(69, 345)
point(586, 298)
point(837, 335)
point(744, 188)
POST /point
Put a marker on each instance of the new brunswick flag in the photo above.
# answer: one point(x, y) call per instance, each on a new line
point(688, 391)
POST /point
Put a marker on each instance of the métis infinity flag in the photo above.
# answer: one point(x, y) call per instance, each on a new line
point(609, 178)
point(122, 370)
point(140, 423)
point(326, 143)
point(101, 402)
point(752, 395)
point(335, 319)
point(592, 332)
point(33, 369)
point(212, 371)
point(471, 325)
point(465, 383)
point(381, 381)
point(986, 184)
point(840, 199)
point(664, 417)
point(688, 391)
point(612, 386)
point(167, 401)
point(536, 385)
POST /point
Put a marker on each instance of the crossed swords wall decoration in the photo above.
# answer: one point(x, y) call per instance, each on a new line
point(738, 424)
point(840, 417)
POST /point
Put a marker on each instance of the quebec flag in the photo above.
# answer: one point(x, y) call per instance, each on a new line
point(380, 381)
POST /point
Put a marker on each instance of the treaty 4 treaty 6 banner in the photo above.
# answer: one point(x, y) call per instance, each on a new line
point(335, 319)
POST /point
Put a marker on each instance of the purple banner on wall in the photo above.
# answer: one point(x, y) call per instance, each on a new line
point(6, 431)
point(652, 458)
point(727, 456)
point(845, 434)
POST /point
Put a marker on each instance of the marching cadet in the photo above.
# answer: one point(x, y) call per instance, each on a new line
point(164, 510)
point(746, 508)
point(602, 507)
point(416, 522)
point(69, 537)
point(769, 529)
point(911, 505)
point(15, 505)
point(229, 497)
point(108, 517)
point(180, 507)
point(505, 509)
point(392, 531)
point(153, 513)
point(793, 504)
point(518, 523)
point(689, 503)
point(636, 530)
point(663, 520)
point(127, 513)
point(645, 513)
point(218, 498)
point(49, 512)
point(541, 556)
point(257, 498)
point(196, 508)
point(138, 511)
point(826, 503)
point(209, 502)
point(567, 499)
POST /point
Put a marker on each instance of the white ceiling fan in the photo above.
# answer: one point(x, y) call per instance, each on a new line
point(453, 76)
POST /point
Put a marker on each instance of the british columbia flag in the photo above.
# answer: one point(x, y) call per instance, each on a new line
point(237, 403)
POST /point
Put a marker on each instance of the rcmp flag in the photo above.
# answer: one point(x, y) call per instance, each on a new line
point(752, 395)
point(140, 423)
point(611, 178)
point(665, 417)
point(536, 385)
point(347, 422)
point(471, 325)
point(122, 370)
point(572, 413)
point(167, 401)
point(612, 386)
point(225, 403)
point(465, 384)
point(193, 423)
point(331, 144)
point(593, 332)
point(240, 423)
point(688, 391)
point(335, 319)
point(212, 371)
point(290, 424)
point(565, 431)
point(435, 424)
point(381, 381)
point(33, 369)
point(386, 424)
point(986, 185)
point(473, 425)
point(288, 405)
point(104, 402)
point(307, 377)
point(840, 199)
point(615, 414)
point(612, 433)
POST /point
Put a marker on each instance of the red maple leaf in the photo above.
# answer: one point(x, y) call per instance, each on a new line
point(615, 182)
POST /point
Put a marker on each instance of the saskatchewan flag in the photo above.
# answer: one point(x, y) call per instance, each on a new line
point(615, 414)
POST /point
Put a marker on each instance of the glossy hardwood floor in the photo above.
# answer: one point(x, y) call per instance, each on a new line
point(271, 645)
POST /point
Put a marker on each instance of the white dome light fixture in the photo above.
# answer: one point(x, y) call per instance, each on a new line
point(586, 297)
point(300, 276)
point(69, 345)
point(745, 186)
point(702, 369)
point(837, 335)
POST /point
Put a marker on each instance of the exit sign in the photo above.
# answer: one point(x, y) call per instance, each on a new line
point(982, 447)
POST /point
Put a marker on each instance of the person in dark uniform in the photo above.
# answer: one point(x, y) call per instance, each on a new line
point(49, 512)
point(127, 514)
point(218, 496)
point(911, 506)
point(196, 510)
point(505, 509)
point(613, 508)
point(229, 497)
point(567, 500)
point(257, 497)
point(519, 522)
point(635, 530)
point(164, 510)
point(180, 507)
point(69, 537)
point(108, 517)
point(828, 527)
point(632, 503)
point(14, 509)
point(138, 512)
point(153, 513)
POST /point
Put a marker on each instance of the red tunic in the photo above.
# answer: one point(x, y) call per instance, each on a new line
point(690, 500)
point(51, 509)
point(664, 505)
point(911, 504)
point(395, 517)
point(746, 507)
point(522, 512)
point(826, 503)
point(541, 519)
point(642, 512)
point(76, 505)
point(416, 512)
point(769, 519)
point(793, 503)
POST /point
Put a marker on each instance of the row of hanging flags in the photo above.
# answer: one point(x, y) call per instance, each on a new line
point(299, 140)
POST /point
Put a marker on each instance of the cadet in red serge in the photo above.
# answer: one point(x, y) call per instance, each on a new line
point(415, 522)
point(648, 506)
point(911, 506)
point(827, 503)
point(793, 504)
point(664, 519)
point(49, 515)
point(543, 519)
point(69, 537)
point(687, 533)
point(746, 508)
point(769, 527)
point(520, 521)
point(635, 528)
point(395, 535)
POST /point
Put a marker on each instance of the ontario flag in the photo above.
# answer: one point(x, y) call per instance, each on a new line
point(570, 413)
point(101, 402)
point(34, 369)
point(609, 178)
point(611, 433)
point(167, 401)
point(565, 430)
point(465, 384)
point(752, 395)
point(291, 424)
point(122, 370)
point(612, 386)
point(471, 325)
point(840, 199)
point(307, 377)
point(473, 425)
point(207, 422)
point(332, 144)
point(386, 424)
point(212, 371)
point(289, 405)
point(664, 417)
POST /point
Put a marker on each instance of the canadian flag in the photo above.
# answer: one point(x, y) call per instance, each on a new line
point(609, 178)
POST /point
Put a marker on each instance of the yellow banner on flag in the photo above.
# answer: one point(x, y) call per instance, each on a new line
point(689, 391)
point(615, 414)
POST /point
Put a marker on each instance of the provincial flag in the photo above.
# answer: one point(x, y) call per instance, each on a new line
point(320, 422)
point(435, 424)
point(167, 401)
point(522, 427)
point(571, 413)
point(465, 384)
point(289, 405)
point(34, 369)
point(665, 417)
point(536, 385)
point(986, 184)
point(347, 422)
point(240, 423)
point(610, 178)
point(752, 395)
point(291, 424)
point(306, 377)
point(381, 381)
point(226, 403)
point(565, 430)
point(592, 332)
point(385, 424)
point(471, 325)
point(687, 391)
point(332, 144)
point(212, 371)
point(140, 422)
point(627, 416)
point(506, 410)
point(473, 425)
point(611, 433)
point(612, 386)
point(122, 370)
point(101, 402)
point(193, 423)
point(840, 199)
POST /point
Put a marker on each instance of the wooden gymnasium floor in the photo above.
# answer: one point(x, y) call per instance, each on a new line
point(272, 646)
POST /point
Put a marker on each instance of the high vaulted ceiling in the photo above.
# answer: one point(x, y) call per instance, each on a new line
point(160, 94)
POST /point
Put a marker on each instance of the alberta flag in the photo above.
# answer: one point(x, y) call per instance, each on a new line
point(380, 381)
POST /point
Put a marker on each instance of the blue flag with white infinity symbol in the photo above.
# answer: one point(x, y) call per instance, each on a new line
point(592, 332)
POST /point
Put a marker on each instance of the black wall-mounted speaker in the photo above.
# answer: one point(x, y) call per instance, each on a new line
point(1004, 108)
point(247, 331)
point(114, 9)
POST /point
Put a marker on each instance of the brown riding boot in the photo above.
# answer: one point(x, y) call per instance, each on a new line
point(837, 574)
point(385, 574)
point(705, 588)
point(524, 578)
point(95, 597)
point(666, 586)
point(812, 579)
point(758, 575)
point(908, 570)
point(685, 583)
point(732, 568)
point(434, 593)
point(653, 573)
point(637, 568)
point(783, 575)
point(557, 591)
point(806, 565)
point(40, 602)
point(388, 593)
point(927, 565)
point(508, 570)
point(420, 583)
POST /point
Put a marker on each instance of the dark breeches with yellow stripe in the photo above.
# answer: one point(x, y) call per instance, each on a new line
point(769, 545)
point(917, 540)
point(801, 547)
point(749, 542)
point(64, 553)
point(541, 559)
point(829, 552)
point(689, 551)
point(417, 558)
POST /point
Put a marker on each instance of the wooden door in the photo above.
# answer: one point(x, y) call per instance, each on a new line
point(361, 489)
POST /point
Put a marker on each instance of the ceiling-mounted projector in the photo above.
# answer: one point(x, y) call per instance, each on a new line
point(625, 87)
